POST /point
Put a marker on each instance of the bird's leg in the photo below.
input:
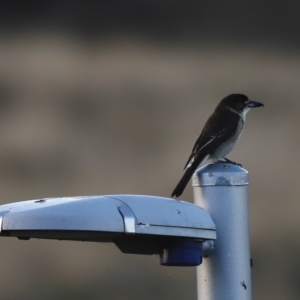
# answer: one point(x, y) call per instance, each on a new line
point(232, 162)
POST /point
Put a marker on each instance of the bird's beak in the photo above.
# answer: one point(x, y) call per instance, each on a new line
point(254, 104)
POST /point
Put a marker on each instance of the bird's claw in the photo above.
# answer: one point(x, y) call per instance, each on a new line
point(232, 162)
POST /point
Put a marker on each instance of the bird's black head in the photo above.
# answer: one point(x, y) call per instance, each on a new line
point(238, 103)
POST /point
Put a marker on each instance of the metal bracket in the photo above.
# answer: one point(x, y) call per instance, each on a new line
point(129, 218)
point(208, 247)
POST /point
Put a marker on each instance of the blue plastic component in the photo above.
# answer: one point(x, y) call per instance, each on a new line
point(181, 253)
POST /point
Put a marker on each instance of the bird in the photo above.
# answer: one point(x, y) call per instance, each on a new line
point(219, 135)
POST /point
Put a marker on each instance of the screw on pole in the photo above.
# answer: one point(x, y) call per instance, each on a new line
point(222, 190)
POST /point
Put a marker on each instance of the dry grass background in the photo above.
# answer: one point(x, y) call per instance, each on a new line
point(121, 116)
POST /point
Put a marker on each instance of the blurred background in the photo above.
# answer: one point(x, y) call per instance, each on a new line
point(108, 97)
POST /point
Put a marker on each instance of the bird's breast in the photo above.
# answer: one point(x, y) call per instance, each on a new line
point(224, 148)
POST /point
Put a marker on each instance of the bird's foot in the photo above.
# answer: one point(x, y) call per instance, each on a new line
point(232, 162)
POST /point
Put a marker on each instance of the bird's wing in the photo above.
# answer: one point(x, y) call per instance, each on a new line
point(213, 134)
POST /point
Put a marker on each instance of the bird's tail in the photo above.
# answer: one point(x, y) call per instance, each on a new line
point(184, 180)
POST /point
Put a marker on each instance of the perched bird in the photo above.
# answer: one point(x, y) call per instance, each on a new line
point(219, 135)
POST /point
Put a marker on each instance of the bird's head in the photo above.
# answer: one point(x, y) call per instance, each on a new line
point(238, 103)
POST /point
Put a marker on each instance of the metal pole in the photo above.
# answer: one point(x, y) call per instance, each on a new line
point(221, 189)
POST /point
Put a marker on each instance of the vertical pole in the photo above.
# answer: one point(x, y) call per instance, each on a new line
point(221, 189)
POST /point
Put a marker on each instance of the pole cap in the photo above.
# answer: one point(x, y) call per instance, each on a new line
point(220, 174)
